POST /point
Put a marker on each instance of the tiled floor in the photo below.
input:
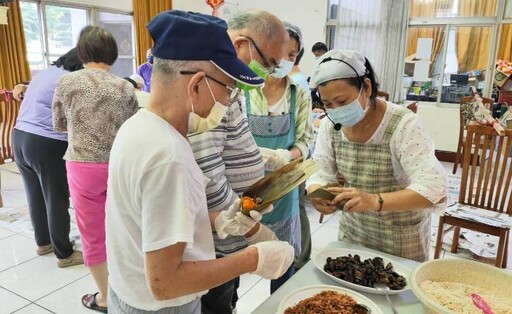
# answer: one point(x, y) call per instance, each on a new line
point(33, 284)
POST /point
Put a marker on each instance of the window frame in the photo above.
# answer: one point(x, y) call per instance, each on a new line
point(92, 19)
point(496, 22)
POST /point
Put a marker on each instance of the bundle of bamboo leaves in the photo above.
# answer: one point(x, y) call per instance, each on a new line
point(277, 184)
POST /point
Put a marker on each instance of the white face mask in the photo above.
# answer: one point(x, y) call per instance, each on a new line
point(284, 68)
point(198, 124)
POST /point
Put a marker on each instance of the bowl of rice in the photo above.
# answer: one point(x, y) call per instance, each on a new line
point(449, 286)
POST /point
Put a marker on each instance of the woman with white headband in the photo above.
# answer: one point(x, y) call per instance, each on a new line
point(392, 179)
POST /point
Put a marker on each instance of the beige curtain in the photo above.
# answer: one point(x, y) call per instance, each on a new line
point(505, 47)
point(14, 68)
point(423, 9)
point(472, 43)
point(143, 12)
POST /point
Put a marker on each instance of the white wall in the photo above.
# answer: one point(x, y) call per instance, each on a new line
point(309, 15)
point(121, 5)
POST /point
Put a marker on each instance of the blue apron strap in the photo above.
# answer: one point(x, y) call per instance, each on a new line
point(293, 99)
point(247, 102)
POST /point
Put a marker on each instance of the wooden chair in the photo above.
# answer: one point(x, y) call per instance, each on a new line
point(9, 110)
point(487, 186)
point(384, 95)
point(462, 124)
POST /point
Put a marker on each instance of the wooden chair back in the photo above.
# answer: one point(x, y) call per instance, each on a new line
point(487, 170)
point(8, 114)
point(413, 107)
point(383, 95)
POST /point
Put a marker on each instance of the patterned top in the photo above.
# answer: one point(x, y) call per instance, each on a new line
point(303, 129)
point(414, 163)
point(403, 233)
point(230, 158)
point(90, 105)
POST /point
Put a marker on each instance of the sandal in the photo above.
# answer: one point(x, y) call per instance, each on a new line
point(45, 249)
point(89, 301)
point(74, 259)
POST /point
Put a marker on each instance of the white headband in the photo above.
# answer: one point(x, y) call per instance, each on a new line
point(338, 64)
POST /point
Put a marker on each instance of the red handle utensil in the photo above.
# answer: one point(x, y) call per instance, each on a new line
point(480, 303)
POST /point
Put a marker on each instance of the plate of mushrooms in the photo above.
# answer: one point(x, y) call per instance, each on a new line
point(361, 271)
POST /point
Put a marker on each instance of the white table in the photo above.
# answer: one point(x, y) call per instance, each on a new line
point(405, 302)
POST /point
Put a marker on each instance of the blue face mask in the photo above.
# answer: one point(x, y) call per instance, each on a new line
point(347, 115)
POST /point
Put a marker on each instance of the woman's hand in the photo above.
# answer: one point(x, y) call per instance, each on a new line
point(18, 91)
point(324, 206)
point(356, 200)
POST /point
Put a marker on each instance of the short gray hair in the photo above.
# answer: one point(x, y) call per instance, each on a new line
point(169, 70)
point(259, 22)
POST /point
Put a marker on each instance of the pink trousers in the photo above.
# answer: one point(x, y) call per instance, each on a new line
point(88, 190)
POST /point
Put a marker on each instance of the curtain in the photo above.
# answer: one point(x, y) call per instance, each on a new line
point(377, 29)
point(14, 68)
point(472, 43)
point(143, 12)
point(505, 47)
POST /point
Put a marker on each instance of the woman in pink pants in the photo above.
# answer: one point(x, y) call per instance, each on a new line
point(90, 105)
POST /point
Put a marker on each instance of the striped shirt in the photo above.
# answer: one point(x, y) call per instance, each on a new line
point(230, 158)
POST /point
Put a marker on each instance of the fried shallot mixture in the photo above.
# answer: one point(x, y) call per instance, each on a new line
point(324, 303)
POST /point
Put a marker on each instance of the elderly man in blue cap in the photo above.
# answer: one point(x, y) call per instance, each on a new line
point(160, 250)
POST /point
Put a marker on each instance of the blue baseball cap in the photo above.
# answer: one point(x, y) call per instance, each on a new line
point(180, 35)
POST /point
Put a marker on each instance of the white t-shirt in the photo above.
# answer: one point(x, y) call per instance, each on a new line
point(155, 198)
point(142, 98)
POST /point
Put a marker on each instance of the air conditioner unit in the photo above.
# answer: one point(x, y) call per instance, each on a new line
point(3, 15)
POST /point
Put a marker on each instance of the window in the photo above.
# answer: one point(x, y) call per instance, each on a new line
point(508, 9)
point(62, 26)
point(332, 21)
point(463, 68)
point(120, 26)
point(422, 71)
point(33, 38)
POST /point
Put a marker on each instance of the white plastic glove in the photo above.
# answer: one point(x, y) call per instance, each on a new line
point(263, 234)
point(274, 258)
point(234, 222)
point(275, 158)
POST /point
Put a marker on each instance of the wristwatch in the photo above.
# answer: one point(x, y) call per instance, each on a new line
point(381, 201)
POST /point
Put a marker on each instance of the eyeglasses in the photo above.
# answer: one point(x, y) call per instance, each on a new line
point(271, 69)
point(234, 91)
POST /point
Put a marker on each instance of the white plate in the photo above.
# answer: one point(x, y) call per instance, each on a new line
point(304, 293)
point(400, 269)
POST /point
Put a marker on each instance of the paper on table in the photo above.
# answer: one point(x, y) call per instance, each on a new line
point(277, 184)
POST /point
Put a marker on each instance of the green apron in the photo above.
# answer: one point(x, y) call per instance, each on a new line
point(369, 168)
point(276, 132)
